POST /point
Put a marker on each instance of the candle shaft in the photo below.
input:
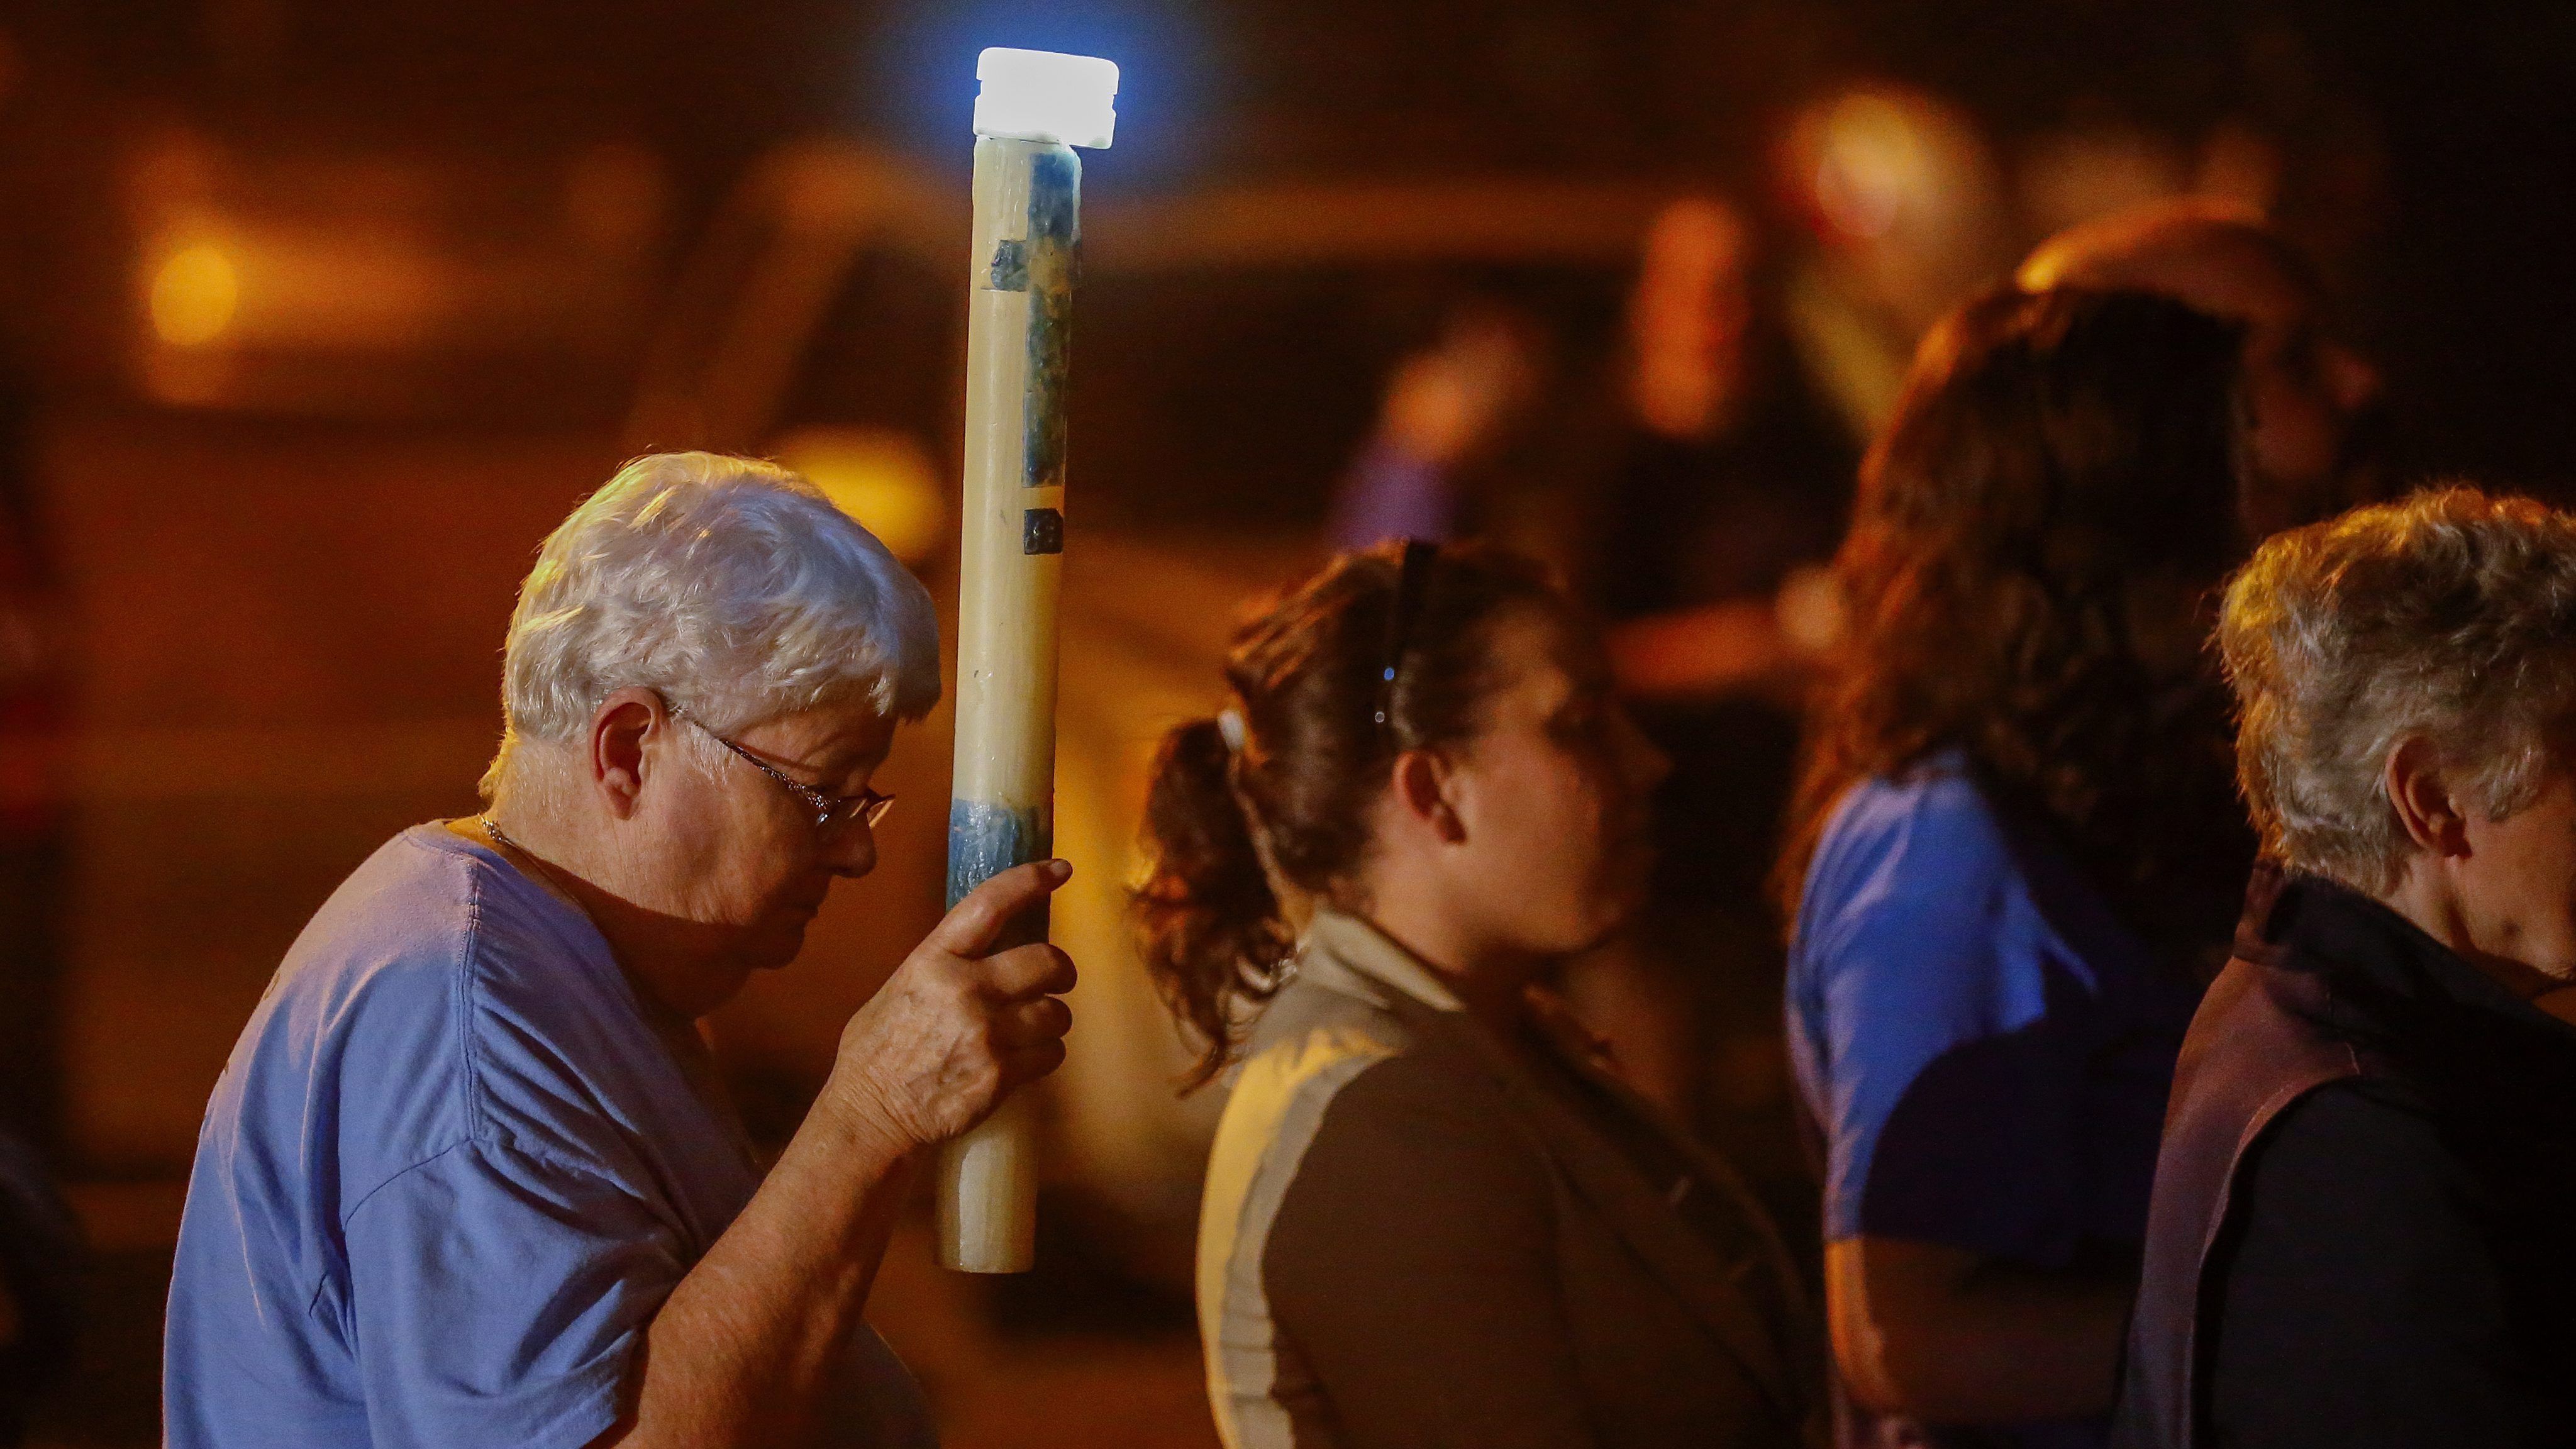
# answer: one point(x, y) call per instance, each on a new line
point(1002, 811)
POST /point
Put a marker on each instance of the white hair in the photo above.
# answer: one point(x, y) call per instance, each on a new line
point(2449, 616)
point(728, 585)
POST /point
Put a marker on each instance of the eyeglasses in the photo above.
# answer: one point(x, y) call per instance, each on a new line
point(830, 811)
point(1410, 578)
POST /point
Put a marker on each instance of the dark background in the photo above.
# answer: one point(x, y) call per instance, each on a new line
point(280, 616)
point(2433, 141)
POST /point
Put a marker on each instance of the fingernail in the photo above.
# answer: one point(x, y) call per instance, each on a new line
point(1059, 869)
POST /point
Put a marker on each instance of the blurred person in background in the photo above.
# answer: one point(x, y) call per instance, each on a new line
point(2361, 1208)
point(1698, 524)
point(1706, 557)
point(2015, 855)
point(2320, 432)
point(1444, 412)
point(470, 1176)
point(1730, 477)
point(1721, 477)
point(1433, 1214)
point(41, 1258)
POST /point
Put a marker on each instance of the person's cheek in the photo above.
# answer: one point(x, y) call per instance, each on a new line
point(2295, 432)
point(1593, 819)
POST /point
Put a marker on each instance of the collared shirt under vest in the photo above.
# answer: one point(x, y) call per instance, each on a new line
point(2361, 1227)
point(1415, 1234)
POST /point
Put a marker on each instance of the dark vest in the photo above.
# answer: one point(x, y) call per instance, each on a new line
point(2256, 1047)
point(2328, 986)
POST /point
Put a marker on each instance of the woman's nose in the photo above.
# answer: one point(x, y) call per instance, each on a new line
point(1645, 763)
point(851, 850)
point(2354, 381)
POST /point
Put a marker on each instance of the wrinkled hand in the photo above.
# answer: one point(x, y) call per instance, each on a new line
point(960, 1024)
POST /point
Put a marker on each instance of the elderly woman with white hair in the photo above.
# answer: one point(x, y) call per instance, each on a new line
point(2363, 1204)
point(469, 1177)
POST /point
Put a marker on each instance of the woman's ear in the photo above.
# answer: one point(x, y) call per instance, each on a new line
point(618, 731)
point(1422, 793)
point(2421, 795)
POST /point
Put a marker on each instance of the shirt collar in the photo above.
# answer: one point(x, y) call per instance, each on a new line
point(2302, 922)
point(1347, 954)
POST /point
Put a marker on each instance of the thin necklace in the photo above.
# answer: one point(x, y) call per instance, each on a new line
point(547, 878)
point(493, 828)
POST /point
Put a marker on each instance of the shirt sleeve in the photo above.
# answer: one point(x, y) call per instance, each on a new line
point(496, 1297)
point(1391, 494)
point(1948, 1095)
point(2358, 1308)
point(1412, 1269)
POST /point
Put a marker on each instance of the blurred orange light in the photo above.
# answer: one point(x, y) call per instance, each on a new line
point(1874, 164)
point(878, 476)
point(194, 296)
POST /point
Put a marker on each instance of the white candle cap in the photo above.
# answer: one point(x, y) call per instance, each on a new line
point(1040, 95)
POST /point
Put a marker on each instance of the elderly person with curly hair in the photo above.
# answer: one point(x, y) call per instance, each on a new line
point(2359, 1233)
point(469, 1177)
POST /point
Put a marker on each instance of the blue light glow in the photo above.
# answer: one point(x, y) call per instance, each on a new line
point(920, 68)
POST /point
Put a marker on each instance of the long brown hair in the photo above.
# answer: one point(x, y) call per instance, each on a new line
point(2051, 451)
point(1306, 674)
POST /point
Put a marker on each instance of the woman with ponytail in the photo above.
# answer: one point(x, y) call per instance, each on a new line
point(1433, 1216)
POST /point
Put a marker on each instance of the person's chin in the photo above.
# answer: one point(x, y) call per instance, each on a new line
point(1599, 920)
point(781, 945)
point(1629, 883)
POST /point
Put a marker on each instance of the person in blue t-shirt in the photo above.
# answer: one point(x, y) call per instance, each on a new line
point(470, 1176)
point(2015, 850)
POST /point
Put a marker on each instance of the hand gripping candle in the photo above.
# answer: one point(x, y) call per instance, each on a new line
point(1036, 106)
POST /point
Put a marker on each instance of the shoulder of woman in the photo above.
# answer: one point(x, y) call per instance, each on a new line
point(2359, 1173)
point(1930, 832)
point(1345, 1136)
point(1938, 794)
point(1414, 1118)
point(2372, 1126)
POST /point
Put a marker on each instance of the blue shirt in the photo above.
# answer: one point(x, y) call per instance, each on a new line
point(1985, 1048)
point(447, 1178)
point(1391, 494)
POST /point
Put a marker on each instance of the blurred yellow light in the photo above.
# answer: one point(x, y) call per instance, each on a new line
point(194, 296)
point(878, 476)
point(1876, 164)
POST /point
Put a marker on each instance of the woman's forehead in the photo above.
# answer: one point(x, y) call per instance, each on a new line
point(1542, 658)
point(834, 735)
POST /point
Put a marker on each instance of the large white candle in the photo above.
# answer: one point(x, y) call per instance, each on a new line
point(1035, 107)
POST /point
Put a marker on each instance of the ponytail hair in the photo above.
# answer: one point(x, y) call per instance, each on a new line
point(1288, 800)
point(1207, 912)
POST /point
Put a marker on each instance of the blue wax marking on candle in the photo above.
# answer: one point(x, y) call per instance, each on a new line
point(1048, 257)
point(985, 839)
point(1010, 269)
